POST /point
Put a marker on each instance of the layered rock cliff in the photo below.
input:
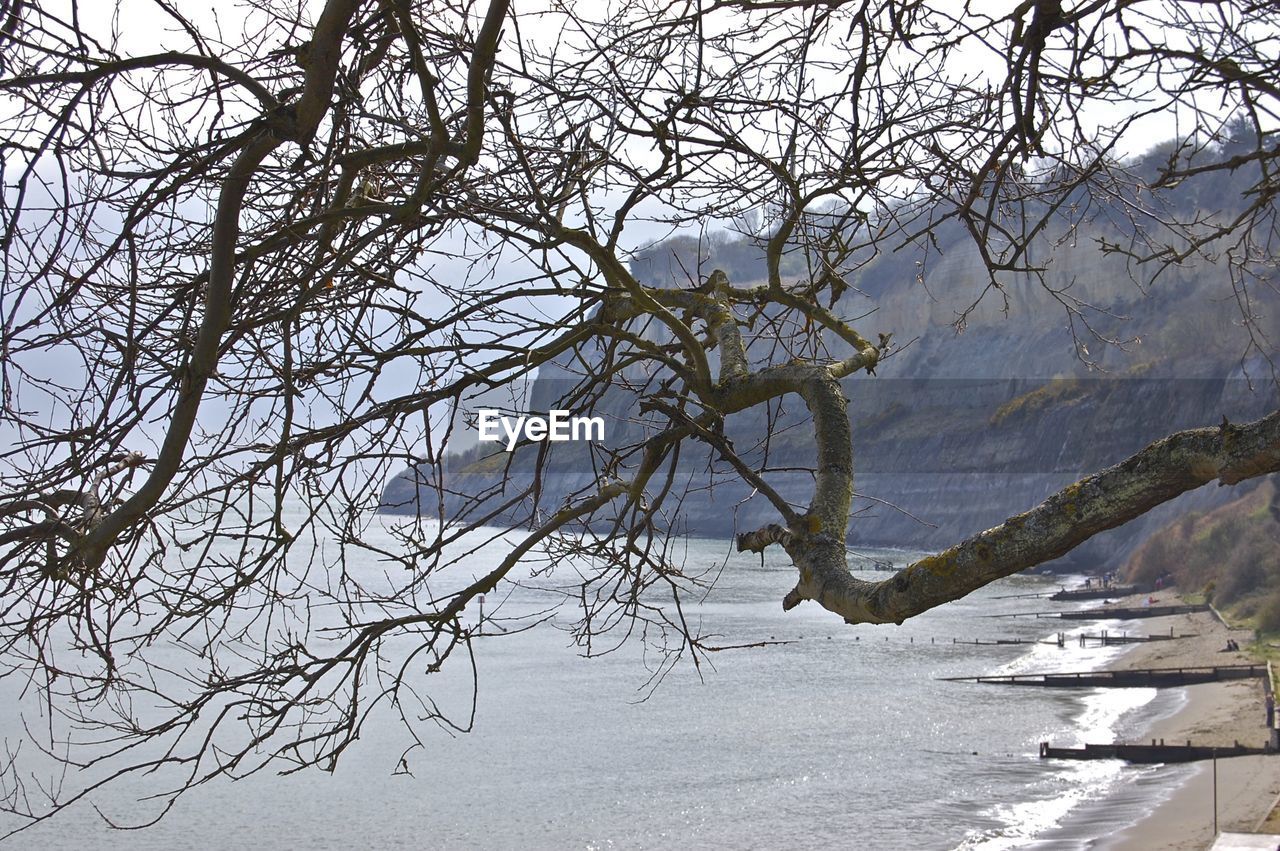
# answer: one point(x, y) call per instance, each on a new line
point(960, 428)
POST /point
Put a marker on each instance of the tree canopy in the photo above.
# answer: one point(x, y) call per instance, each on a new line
point(259, 254)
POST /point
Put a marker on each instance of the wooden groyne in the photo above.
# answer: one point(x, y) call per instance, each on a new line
point(994, 642)
point(1140, 678)
point(1132, 612)
point(1151, 753)
point(1095, 593)
point(1109, 613)
point(1106, 639)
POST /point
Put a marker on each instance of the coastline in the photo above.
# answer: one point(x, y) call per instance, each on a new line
point(1210, 714)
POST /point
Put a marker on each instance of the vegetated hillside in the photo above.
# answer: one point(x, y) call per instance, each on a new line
point(957, 431)
point(1231, 554)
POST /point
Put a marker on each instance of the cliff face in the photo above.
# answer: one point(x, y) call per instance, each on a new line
point(974, 453)
point(958, 430)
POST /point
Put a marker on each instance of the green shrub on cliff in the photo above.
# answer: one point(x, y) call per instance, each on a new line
point(1232, 554)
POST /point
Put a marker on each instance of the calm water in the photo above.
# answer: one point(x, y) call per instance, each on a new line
point(844, 737)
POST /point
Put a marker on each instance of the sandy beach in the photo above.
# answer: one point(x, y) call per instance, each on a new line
point(1214, 714)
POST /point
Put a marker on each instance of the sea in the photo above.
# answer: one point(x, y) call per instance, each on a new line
point(804, 732)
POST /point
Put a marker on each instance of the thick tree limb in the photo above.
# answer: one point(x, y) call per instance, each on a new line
point(757, 541)
point(724, 327)
point(1171, 466)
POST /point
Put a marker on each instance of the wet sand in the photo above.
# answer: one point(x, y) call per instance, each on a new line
point(1213, 714)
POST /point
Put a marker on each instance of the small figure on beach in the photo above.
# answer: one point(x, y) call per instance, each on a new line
point(1232, 645)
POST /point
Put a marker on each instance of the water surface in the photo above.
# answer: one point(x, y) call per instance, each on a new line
point(844, 736)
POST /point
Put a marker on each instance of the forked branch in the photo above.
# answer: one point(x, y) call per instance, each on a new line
point(1181, 462)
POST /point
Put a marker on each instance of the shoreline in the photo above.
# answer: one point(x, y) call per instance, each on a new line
point(1219, 713)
